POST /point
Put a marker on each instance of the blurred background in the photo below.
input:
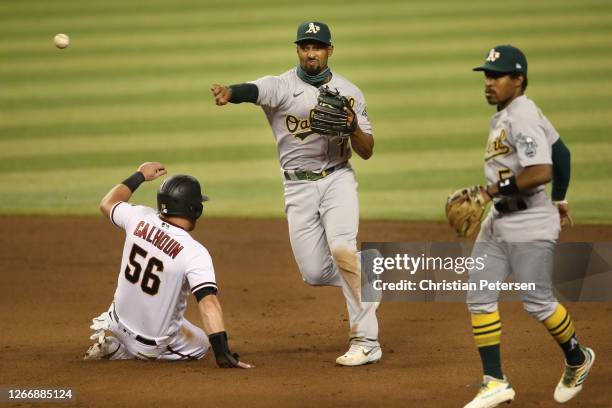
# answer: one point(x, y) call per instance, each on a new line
point(133, 86)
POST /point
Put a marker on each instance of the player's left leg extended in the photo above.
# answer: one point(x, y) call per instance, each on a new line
point(339, 211)
point(533, 262)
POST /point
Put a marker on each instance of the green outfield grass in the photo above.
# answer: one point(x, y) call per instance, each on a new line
point(133, 87)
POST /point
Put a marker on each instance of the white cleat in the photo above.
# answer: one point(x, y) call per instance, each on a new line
point(573, 377)
point(359, 355)
point(103, 350)
point(493, 392)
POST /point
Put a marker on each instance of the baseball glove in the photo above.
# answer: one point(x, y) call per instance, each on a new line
point(329, 117)
point(464, 210)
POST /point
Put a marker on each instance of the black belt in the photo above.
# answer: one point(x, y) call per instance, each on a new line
point(311, 175)
point(510, 206)
point(138, 337)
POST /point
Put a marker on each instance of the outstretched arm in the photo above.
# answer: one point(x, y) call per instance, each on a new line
point(212, 318)
point(123, 192)
point(234, 93)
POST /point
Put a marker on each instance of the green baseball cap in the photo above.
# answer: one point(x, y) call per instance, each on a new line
point(314, 30)
point(504, 58)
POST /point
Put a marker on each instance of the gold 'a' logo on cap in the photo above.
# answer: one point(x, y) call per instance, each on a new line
point(493, 55)
point(312, 29)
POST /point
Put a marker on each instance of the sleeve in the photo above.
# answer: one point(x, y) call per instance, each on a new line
point(121, 213)
point(361, 110)
point(200, 274)
point(531, 144)
point(271, 91)
point(244, 93)
point(561, 158)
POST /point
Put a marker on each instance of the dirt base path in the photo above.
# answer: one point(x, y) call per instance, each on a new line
point(59, 272)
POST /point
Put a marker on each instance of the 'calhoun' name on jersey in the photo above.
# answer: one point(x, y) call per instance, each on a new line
point(158, 238)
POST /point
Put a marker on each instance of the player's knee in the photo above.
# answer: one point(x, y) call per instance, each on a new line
point(540, 310)
point(482, 308)
point(315, 279)
point(316, 273)
point(201, 337)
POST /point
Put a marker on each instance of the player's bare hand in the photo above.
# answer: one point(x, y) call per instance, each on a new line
point(485, 194)
point(152, 170)
point(564, 213)
point(351, 119)
point(242, 364)
point(222, 94)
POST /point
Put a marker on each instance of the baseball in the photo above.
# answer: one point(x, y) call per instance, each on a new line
point(61, 41)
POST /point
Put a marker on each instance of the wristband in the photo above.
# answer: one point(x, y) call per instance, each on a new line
point(134, 181)
point(507, 187)
point(218, 341)
point(225, 358)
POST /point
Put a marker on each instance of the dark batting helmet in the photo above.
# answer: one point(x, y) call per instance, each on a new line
point(181, 196)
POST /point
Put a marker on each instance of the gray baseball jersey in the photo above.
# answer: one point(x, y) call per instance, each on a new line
point(522, 242)
point(521, 136)
point(287, 102)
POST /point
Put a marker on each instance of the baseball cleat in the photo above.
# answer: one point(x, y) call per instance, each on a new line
point(359, 355)
point(573, 377)
point(493, 392)
point(102, 350)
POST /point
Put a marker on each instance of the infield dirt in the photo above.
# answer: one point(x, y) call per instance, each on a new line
point(59, 272)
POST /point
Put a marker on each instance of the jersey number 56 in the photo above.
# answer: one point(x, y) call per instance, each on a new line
point(150, 282)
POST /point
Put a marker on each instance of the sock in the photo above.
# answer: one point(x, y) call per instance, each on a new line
point(491, 361)
point(487, 334)
point(561, 327)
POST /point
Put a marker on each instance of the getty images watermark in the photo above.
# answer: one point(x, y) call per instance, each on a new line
point(459, 265)
point(427, 271)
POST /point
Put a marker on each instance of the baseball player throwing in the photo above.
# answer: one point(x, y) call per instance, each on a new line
point(320, 188)
point(520, 233)
point(161, 264)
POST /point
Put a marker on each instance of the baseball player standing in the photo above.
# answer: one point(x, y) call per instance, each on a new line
point(520, 233)
point(161, 264)
point(321, 200)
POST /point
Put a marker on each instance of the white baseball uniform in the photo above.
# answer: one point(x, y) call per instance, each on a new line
point(161, 265)
point(323, 214)
point(521, 238)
